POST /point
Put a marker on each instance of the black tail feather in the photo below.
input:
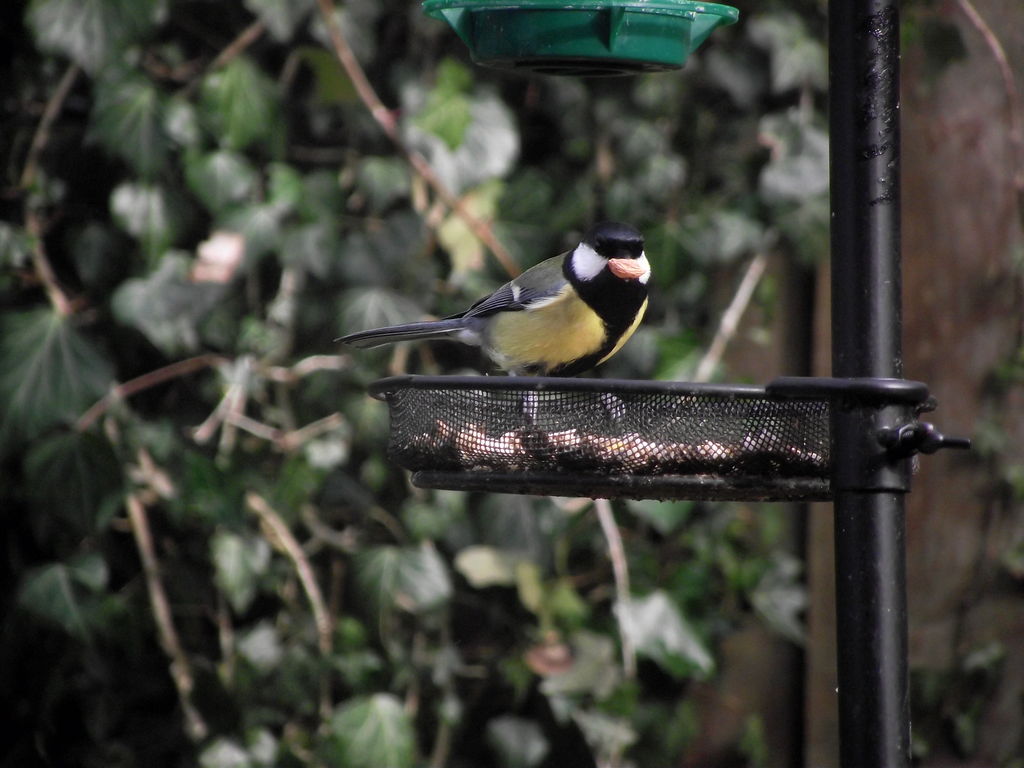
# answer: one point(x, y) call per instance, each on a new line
point(375, 337)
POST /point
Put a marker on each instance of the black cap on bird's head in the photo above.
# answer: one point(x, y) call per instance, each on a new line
point(613, 246)
point(615, 240)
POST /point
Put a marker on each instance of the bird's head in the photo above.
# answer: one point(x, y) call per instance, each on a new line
point(613, 247)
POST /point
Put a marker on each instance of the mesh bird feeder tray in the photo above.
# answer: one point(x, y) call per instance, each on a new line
point(616, 438)
point(585, 38)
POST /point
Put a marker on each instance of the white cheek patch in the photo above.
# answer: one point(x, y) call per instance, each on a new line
point(587, 263)
point(642, 261)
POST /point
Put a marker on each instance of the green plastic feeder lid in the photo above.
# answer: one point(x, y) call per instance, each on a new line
point(582, 37)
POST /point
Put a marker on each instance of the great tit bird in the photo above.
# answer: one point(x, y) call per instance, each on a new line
point(559, 318)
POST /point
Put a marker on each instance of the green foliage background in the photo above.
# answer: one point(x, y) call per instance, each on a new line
point(447, 619)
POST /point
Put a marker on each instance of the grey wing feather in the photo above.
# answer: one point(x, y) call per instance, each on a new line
point(539, 282)
point(502, 300)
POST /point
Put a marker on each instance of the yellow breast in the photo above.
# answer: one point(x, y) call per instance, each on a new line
point(561, 330)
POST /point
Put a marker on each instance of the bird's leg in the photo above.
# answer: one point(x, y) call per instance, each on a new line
point(529, 402)
point(529, 406)
point(613, 405)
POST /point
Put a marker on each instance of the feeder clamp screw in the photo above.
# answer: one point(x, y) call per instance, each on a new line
point(919, 437)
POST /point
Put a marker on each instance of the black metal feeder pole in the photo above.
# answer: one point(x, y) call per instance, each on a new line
point(874, 713)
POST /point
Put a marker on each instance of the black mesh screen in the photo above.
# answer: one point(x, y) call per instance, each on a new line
point(554, 432)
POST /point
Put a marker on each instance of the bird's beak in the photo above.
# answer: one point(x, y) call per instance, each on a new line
point(627, 269)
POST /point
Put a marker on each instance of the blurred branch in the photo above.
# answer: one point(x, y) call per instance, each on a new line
point(306, 366)
point(231, 407)
point(286, 441)
point(297, 437)
point(226, 640)
point(1013, 103)
point(42, 134)
point(620, 569)
point(144, 382)
point(181, 670)
point(235, 402)
point(254, 427)
point(148, 475)
point(730, 321)
point(386, 120)
point(202, 433)
point(283, 540)
point(245, 38)
point(44, 270)
point(345, 540)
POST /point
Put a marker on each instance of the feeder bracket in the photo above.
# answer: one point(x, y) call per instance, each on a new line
point(874, 426)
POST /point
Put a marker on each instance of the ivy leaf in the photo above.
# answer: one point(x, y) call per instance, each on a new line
point(447, 111)
point(259, 224)
point(89, 32)
point(374, 308)
point(661, 633)
point(491, 143)
point(313, 247)
point(372, 732)
point(464, 247)
point(220, 179)
point(486, 567)
point(354, 18)
point(59, 593)
point(239, 562)
point(166, 306)
point(663, 516)
point(738, 73)
point(15, 247)
point(780, 599)
point(263, 748)
point(284, 186)
point(527, 197)
point(530, 587)
point(128, 120)
point(181, 122)
point(260, 750)
point(71, 476)
point(383, 180)
point(594, 671)
point(514, 524)
point(148, 213)
point(261, 646)
point(565, 603)
point(48, 373)
point(240, 103)
point(412, 578)
point(95, 250)
point(488, 147)
point(722, 235)
point(797, 59)
point(224, 753)
point(798, 169)
point(519, 743)
point(383, 255)
point(606, 734)
point(331, 83)
point(280, 16)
